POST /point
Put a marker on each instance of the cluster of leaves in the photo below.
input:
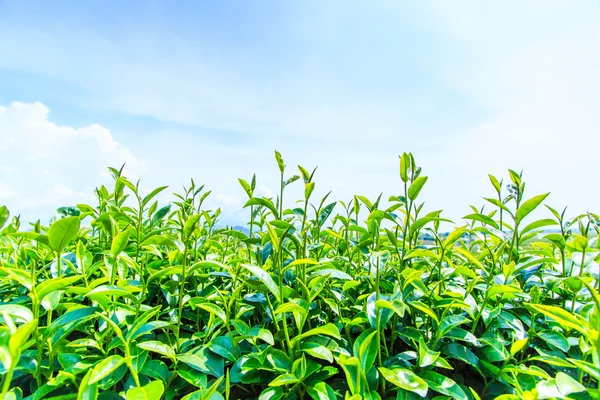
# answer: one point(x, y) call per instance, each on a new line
point(127, 299)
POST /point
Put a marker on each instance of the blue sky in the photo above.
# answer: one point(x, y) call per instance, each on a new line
point(208, 89)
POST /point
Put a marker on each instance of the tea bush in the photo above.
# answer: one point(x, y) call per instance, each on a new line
point(130, 299)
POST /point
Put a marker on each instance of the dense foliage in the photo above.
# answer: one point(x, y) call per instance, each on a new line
point(130, 299)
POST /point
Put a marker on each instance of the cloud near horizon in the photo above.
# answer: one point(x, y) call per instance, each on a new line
point(45, 165)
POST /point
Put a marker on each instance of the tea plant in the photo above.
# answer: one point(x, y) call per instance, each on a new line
point(130, 299)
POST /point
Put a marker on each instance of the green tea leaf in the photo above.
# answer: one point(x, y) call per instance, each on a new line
point(119, 242)
point(160, 214)
point(256, 201)
point(4, 215)
point(38, 237)
point(158, 347)
point(396, 306)
point(567, 385)
point(190, 225)
point(290, 308)
point(405, 379)
point(246, 187)
point(317, 350)
point(483, 219)
point(404, 166)
point(274, 237)
point(454, 236)
point(271, 393)
point(321, 391)
point(425, 309)
point(499, 204)
point(133, 332)
point(587, 367)
point(538, 224)
point(460, 352)
point(365, 348)
point(563, 317)
point(285, 379)
point(50, 285)
point(426, 356)
point(213, 309)
point(443, 385)
point(495, 183)
point(204, 361)
point(69, 321)
point(502, 289)
point(21, 336)
point(450, 322)
point(556, 339)
point(327, 330)
point(223, 346)
point(416, 186)
point(517, 346)
point(291, 180)
point(280, 163)
point(22, 313)
point(333, 273)
point(152, 391)
point(62, 232)
point(105, 367)
point(152, 194)
point(529, 206)
point(354, 377)
point(265, 278)
point(23, 277)
point(156, 369)
point(86, 390)
point(262, 334)
point(110, 290)
point(308, 189)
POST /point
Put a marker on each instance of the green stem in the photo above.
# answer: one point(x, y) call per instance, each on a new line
point(281, 186)
point(573, 302)
point(440, 270)
point(7, 381)
point(514, 242)
point(582, 262)
point(50, 351)
point(36, 315)
point(58, 266)
point(272, 313)
point(139, 230)
point(287, 337)
point(250, 234)
point(485, 300)
point(113, 271)
point(181, 289)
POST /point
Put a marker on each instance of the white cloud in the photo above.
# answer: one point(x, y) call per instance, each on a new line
point(45, 165)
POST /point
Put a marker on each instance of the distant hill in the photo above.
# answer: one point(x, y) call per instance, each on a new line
point(242, 229)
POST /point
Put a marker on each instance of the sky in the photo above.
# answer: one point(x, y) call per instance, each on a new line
point(209, 89)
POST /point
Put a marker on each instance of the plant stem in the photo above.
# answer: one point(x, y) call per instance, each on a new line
point(181, 290)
